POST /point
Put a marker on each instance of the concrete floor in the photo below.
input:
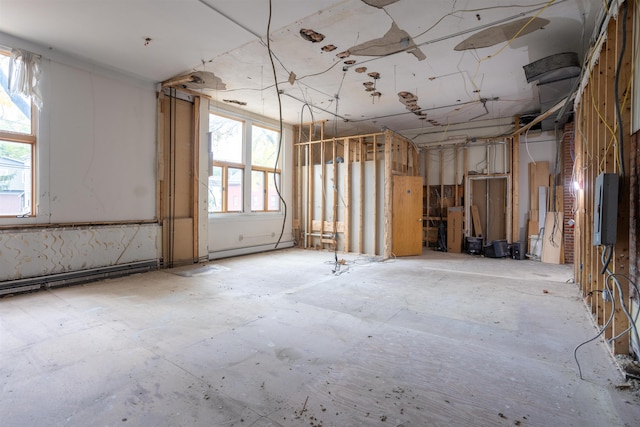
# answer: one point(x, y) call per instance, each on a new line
point(278, 340)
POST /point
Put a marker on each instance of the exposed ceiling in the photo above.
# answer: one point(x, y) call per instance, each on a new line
point(412, 66)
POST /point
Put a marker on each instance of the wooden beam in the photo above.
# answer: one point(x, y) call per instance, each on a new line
point(361, 156)
point(195, 178)
point(541, 117)
point(375, 195)
point(347, 195)
point(323, 181)
point(441, 182)
point(388, 186)
point(426, 153)
point(180, 80)
point(335, 189)
point(515, 182)
point(310, 195)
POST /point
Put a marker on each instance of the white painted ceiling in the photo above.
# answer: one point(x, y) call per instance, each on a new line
point(229, 38)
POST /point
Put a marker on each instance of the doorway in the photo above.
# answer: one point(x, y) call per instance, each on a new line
point(491, 197)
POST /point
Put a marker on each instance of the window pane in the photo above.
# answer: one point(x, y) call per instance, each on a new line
point(257, 190)
point(274, 199)
point(15, 178)
point(215, 190)
point(15, 110)
point(234, 190)
point(264, 146)
point(226, 139)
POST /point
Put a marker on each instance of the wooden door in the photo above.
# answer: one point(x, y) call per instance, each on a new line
point(406, 238)
point(177, 196)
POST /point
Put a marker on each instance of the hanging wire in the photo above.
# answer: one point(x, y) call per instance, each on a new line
point(275, 167)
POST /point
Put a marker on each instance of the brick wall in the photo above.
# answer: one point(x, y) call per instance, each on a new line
point(568, 157)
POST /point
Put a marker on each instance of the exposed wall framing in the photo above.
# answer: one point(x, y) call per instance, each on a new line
point(596, 148)
point(448, 172)
point(342, 188)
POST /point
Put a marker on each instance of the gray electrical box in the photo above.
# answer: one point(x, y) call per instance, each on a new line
point(605, 209)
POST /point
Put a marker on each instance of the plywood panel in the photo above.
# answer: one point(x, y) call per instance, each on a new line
point(407, 215)
point(454, 230)
point(477, 224)
point(183, 247)
point(552, 240)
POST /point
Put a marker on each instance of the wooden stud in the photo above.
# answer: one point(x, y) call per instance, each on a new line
point(361, 150)
point(388, 212)
point(335, 189)
point(310, 195)
point(426, 153)
point(515, 182)
point(347, 194)
point(195, 182)
point(442, 182)
point(375, 194)
point(323, 190)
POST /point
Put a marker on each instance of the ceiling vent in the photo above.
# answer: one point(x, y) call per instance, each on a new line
point(556, 76)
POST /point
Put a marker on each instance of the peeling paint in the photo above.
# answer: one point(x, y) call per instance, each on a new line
point(374, 75)
point(344, 54)
point(205, 80)
point(502, 33)
point(329, 48)
point(380, 3)
point(361, 69)
point(234, 101)
point(395, 40)
point(310, 35)
point(410, 101)
point(350, 62)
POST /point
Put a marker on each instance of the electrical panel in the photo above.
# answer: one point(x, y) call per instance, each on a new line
point(605, 209)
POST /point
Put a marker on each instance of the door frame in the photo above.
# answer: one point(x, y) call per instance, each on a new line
point(469, 201)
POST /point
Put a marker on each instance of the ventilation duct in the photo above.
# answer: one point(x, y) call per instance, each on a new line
point(556, 76)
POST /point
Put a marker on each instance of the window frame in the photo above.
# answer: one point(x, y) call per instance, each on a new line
point(247, 170)
point(31, 140)
point(226, 165)
point(266, 170)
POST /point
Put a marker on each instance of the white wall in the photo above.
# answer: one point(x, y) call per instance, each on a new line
point(95, 165)
point(535, 146)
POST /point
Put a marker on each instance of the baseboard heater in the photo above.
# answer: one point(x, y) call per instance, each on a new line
point(75, 277)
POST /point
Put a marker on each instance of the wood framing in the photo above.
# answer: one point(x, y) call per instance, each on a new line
point(598, 149)
point(350, 208)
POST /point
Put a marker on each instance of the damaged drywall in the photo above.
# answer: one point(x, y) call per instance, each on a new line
point(502, 33)
point(40, 252)
point(395, 40)
point(380, 3)
point(310, 35)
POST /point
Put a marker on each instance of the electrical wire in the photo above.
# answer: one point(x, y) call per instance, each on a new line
point(275, 167)
point(616, 96)
point(607, 293)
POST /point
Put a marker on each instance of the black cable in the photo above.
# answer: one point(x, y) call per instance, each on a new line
point(275, 167)
point(605, 264)
point(616, 96)
point(604, 328)
point(607, 293)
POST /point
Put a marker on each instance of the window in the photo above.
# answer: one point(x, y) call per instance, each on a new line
point(17, 148)
point(230, 152)
point(264, 171)
point(227, 169)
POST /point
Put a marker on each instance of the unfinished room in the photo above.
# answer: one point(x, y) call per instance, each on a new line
point(319, 213)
